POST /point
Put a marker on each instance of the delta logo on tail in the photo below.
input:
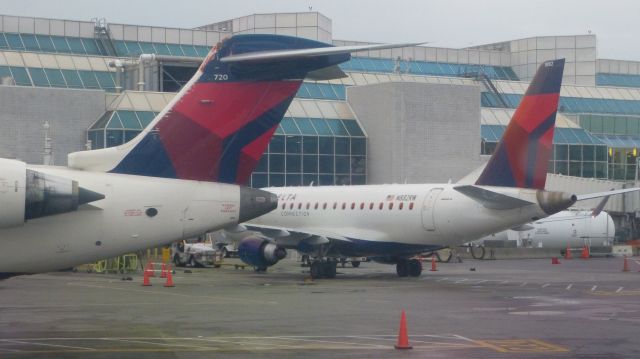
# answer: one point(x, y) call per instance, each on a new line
point(223, 119)
point(521, 157)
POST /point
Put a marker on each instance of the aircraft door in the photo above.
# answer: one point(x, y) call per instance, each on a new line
point(428, 208)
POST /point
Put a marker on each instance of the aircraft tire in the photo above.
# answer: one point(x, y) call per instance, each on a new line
point(316, 270)
point(330, 269)
point(355, 264)
point(402, 268)
point(415, 268)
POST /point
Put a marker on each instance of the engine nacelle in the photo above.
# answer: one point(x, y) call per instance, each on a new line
point(260, 252)
point(26, 194)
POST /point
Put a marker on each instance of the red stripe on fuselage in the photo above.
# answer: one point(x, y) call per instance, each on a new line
point(224, 107)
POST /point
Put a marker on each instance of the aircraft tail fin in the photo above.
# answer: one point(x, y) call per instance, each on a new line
point(521, 157)
point(218, 126)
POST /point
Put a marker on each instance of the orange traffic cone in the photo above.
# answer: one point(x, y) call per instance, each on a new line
point(169, 282)
point(433, 263)
point(163, 274)
point(567, 253)
point(145, 279)
point(403, 337)
point(554, 260)
point(150, 269)
point(625, 266)
point(585, 252)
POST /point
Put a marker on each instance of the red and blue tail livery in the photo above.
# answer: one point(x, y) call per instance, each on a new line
point(521, 157)
point(219, 125)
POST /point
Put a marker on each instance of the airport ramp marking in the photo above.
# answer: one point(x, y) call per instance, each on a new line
point(425, 342)
point(521, 346)
point(618, 292)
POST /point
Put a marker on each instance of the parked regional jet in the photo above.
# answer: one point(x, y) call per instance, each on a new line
point(393, 223)
point(160, 187)
point(565, 229)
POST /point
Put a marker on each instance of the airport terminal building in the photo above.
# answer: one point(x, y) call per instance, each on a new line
point(412, 115)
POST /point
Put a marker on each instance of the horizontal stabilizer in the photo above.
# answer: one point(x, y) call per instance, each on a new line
point(582, 197)
point(490, 199)
point(327, 73)
point(313, 52)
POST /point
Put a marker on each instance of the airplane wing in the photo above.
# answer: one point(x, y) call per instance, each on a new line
point(582, 197)
point(314, 236)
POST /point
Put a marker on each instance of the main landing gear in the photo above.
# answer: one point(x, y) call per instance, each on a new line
point(409, 267)
point(323, 269)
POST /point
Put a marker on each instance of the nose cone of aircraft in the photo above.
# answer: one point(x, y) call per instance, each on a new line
point(255, 202)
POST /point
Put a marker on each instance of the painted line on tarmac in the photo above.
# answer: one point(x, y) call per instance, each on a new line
point(244, 343)
point(169, 293)
point(157, 344)
point(619, 290)
point(569, 286)
point(378, 346)
point(523, 284)
point(43, 344)
point(545, 285)
point(593, 289)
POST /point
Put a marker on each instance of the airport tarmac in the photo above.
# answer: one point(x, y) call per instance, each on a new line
point(475, 309)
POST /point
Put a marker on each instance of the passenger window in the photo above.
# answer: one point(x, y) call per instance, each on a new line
point(344, 205)
point(380, 206)
point(391, 205)
point(335, 205)
point(371, 205)
point(411, 206)
point(400, 206)
point(291, 205)
point(307, 205)
point(284, 205)
point(315, 206)
point(324, 205)
point(353, 205)
point(362, 205)
point(300, 205)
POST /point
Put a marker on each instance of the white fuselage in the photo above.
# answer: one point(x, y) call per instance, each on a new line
point(378, 219)
point(118, 224)
point(563, 229)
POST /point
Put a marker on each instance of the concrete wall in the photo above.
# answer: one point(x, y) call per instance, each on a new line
point(418, 132)
point(25, 109)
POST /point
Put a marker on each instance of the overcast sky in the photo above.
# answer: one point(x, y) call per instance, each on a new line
point(443, 23)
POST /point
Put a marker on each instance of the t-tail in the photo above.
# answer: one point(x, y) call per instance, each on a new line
point(218, 126)
point(521, 157)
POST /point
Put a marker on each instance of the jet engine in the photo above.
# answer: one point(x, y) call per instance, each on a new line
point(260, 252)
point(26, 194)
